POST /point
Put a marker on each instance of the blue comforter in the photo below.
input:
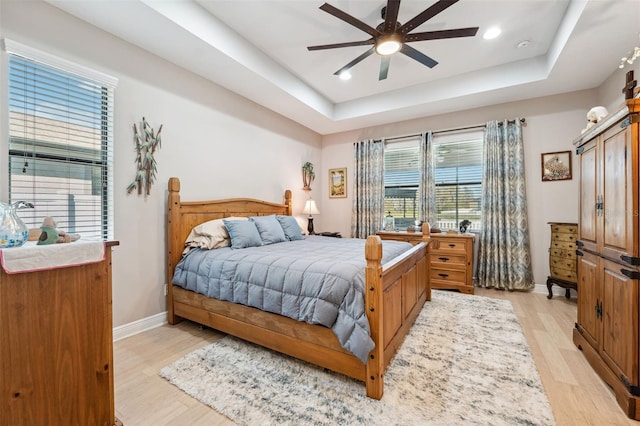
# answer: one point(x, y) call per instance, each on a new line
point(319, 280)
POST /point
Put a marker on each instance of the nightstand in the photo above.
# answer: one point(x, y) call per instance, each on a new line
point(451, 262)
point(329, 234)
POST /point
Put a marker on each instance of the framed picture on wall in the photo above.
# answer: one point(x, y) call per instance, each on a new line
point(338, 183)
point(556, 166)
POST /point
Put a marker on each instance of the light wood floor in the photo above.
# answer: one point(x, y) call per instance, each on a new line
point(576, 393)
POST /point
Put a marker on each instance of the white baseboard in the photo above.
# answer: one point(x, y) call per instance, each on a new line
point(135, 327)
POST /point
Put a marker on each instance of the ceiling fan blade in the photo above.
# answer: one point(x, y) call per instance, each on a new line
point(437, 35)
point(391, 15)
point(355, 61)
point(425, 15)
point(336, 45)
point(418, 56)
point(350, 19)
point(384, 67)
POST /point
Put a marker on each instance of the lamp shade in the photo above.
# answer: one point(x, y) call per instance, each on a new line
point(310, 207)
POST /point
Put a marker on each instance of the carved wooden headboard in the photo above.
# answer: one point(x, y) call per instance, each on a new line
point(183, 216)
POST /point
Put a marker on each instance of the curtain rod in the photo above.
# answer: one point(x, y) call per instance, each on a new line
point(456, 129)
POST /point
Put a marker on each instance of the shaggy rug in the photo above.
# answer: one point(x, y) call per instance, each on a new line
point(465, 361)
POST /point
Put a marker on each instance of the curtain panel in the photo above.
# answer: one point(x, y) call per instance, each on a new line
point(427, 187)
point(504, 258)
point(368, 199)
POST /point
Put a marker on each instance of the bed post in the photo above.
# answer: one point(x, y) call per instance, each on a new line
point(373, 308)
point(173, 218)
point(426, 238)
point(288, 202)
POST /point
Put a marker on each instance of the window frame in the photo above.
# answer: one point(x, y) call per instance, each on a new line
point(105, 130)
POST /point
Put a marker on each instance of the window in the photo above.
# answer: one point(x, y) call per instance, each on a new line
point(60, 142)
point(401, 180)
point(458, 178)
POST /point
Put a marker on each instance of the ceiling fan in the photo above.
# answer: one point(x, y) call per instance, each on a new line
point(391, 36)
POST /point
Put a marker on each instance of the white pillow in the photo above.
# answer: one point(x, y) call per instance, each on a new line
point(210, 235)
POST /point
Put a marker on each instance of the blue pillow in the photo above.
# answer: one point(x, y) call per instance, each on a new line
point(290, 227)
point(243, 233)
point(269, 229)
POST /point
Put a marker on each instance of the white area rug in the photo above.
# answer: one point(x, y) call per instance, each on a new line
point(465, 361)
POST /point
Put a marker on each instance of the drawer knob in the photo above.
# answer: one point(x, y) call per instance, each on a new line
point(443, 259)
point(452, 245)
point(444, 275)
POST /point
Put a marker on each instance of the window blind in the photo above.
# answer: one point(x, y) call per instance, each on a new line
point(401, 181)
point(458, 178)
point(61, 145)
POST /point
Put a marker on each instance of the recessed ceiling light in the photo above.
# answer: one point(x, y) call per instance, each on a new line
point(491, 33)
point(345, 75)
point(523, 44)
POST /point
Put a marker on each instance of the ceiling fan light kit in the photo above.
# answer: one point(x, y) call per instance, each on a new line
point(391, 36)
point(388, 44)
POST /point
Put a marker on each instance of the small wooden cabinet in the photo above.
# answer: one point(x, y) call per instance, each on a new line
point(562, 257)
point(56, 346)
point(608, 257)
point(451, 262)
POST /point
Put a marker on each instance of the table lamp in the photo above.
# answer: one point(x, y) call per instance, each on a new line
point(310, 208)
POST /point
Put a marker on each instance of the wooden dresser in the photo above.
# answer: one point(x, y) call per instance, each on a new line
point(562, 257)
point(451, 262)
point(56, 346)
point(608, 255)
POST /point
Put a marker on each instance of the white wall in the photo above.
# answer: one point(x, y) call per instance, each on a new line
point(219, 144)
point(552, 123)
point(222, 145)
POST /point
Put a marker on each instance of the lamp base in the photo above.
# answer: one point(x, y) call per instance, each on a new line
point(310, 226)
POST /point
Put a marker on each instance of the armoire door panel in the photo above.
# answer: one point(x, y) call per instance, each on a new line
point(617, 238)
point(588, 198)
point(620, 321)
point(589, 298)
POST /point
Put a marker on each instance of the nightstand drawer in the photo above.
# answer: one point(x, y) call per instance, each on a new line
point(449, 245)
point(442, 260)
point(448, 275)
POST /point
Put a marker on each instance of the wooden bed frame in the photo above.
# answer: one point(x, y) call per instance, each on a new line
point(394, 296)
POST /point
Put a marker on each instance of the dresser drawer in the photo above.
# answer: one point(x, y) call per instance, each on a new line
point(564, 238)
point(564, 245)
point(564, 229)
point(563, 252)
point(564, 274)
point(442, 260)
point(448, 275)
point(562, 263)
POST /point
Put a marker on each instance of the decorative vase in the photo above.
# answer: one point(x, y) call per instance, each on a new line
point(13, 231)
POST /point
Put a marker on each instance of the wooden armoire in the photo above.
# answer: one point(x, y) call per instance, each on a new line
point(607, 329)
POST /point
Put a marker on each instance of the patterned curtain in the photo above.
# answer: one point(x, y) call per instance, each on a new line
point(427, 187)
point(368, 200)
point(504, 259)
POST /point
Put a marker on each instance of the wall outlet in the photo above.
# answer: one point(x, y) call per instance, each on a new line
point(166, 290)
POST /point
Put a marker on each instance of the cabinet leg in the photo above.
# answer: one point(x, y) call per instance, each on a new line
point(549, 285)
point(567, 293)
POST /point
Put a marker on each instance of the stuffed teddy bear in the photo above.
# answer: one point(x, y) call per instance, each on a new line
point(50, 235)
point(594, 115)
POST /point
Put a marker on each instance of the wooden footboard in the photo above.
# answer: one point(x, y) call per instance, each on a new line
point(395, 294)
